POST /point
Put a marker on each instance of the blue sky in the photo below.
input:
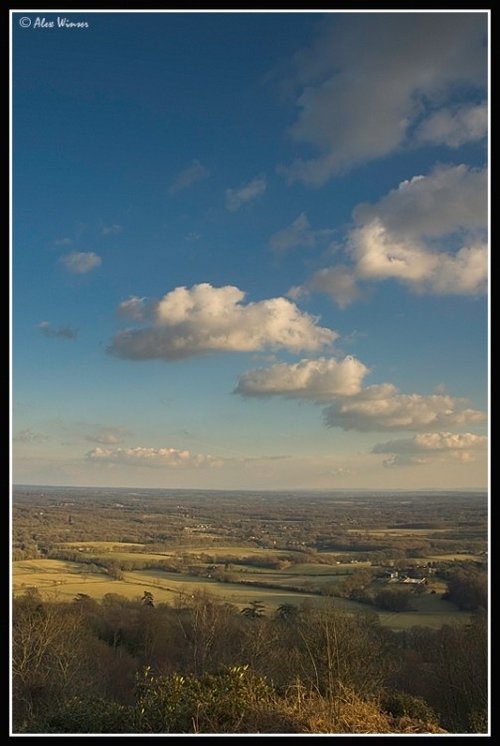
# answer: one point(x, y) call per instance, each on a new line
point(250, 250)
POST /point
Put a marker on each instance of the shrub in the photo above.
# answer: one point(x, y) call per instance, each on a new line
point(217, 703)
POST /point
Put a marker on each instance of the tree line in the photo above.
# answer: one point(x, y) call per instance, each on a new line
point(201, 665)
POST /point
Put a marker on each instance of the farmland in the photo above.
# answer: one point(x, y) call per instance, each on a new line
point(275, 549)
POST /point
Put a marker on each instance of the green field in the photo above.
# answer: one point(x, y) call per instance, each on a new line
point(286, 577)
point(56, 580)
point(60, 580)
point(432, 611)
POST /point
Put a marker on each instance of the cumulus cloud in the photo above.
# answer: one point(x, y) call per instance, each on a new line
point(339, 383)
point(405, 60)
point(298, 233)
point(383, 407)
point(80, 262)
point(28, 436)
point(62, 332)
point(431, 446)
point(169, 458)
point(195, 172)
point(380, 256)
point(397, 236)
point(246, 193)
point(455, 127)
point(447, 200)
point(107, 435)
point(429, 233)
point(318, 380)
point(193, 321)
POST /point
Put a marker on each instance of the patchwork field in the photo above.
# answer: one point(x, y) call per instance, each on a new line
point(63, 580)
point(322, 548)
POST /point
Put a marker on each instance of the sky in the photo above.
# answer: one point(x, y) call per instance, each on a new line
point(250, 249)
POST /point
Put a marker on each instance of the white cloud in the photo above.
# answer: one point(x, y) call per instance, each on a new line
point(192, 321)
point(447, 200)
point(80, 262)
point(455, 127)
point(320, 380)
point(429, 233)
point(189, 176)
point(431, 446)
point(169, 458)
point(366, 82)
point(298, 233)
point(380, 256)
point(235, 198)
point(351, 407)
point(62, 332)
point(383, 407)
point(63, 241)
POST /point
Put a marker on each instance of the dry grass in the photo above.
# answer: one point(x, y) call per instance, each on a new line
point(349, 713)
point(313, 714)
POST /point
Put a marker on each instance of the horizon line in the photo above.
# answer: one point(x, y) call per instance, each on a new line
point(248, 489)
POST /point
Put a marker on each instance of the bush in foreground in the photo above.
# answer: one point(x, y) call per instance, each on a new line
point(234, 701)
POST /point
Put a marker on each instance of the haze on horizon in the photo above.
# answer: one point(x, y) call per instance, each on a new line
point(250, 251)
